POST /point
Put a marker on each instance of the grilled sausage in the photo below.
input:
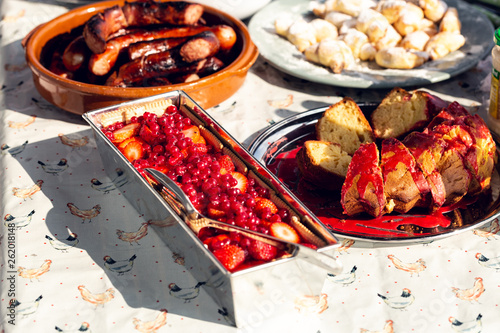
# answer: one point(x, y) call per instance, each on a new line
point(101, 64)
point(141, 13)
point(75, 54)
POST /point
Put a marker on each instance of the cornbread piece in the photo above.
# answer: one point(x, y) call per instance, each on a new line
point(344, 123)
point(427, 151)
point(323, 164)
point(404, 182)
point(401, 112)
point(363, 188)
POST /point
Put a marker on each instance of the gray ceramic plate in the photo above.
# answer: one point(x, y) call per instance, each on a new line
point(280, 53)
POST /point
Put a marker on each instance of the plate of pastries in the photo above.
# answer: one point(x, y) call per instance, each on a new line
point(370, 43)
point(412, 167)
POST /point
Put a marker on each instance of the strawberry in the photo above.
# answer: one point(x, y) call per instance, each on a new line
point(284, 231)
point(192, 132)
point(147, 135)
point(242, 181)
point(261, 251)
point(133, 151)
point(226, 164)
point(231, 256)
point(215, 213)
point(125, 142)
point(125, 132)
point(262, 204)
point(198, 149)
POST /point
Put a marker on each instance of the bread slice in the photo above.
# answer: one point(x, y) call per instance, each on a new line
point(427, 151)
point(453, 111)
point(363, 188)
point(345, 124)
point(482, 154)
point(323, 164)
point(404, 182)
point(402, 112)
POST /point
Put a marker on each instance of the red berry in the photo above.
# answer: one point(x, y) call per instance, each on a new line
point(231, 256)
point(261, 251)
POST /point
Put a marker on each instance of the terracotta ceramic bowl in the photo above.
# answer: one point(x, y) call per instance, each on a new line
point(78, 97)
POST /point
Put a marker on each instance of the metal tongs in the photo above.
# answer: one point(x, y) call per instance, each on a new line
point(181, 204)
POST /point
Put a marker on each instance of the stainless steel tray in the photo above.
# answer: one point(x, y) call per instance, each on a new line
point(240, 294)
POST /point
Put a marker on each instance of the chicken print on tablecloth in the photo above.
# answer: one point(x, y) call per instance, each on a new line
point(471, 294)
point(25, 308)
point(84, 214)
point(400, 302)
point(471, 326)
point(281, 103)
point(178, 259)
point(76, 142)
point(344, 279)
point(27, 192)
point(133, 236)
point(106, 187)
point(84, 327)
point(34, 273)
point(54, 168)
point(22, 124)
point(412, 268)
point(63, 244)
point(18, 222)
point(311, 304)
point(388, 328)
point(151, 326)
point(168, 222)
point(96, 299)
point(186, 294)
point(345, 245)
point(489, 232)
point(119, 266)
point(13, 151)
point(493, 263)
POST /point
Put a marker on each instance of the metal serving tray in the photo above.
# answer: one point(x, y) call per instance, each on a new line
point(251, 294)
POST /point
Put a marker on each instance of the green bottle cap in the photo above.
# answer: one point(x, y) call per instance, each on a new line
point(497, 36)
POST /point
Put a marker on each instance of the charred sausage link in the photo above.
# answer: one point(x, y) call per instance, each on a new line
point(142, 13)
point(75, 54)
point(100, 26)
point(176, 73)
point(140, 49)
point(186, 58)
point(101, 64)
point(199, 47)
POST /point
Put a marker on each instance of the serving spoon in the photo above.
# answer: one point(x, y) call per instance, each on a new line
point(181, 204)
